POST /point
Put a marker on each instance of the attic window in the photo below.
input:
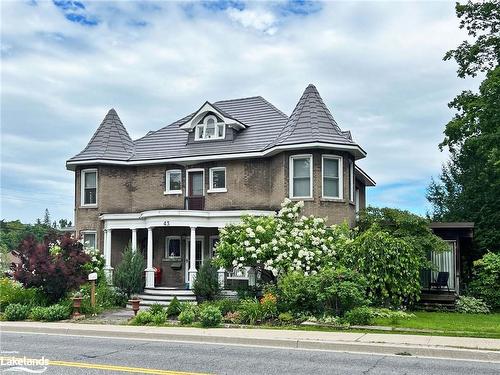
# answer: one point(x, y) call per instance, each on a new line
point(210, 128)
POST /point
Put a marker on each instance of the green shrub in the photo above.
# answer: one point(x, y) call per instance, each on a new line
point(174, 308)
point(159, 318)
point(51, 313)
point(210, 316)
point(227, 305)
point(268, 306)
point(13, 292)
point(286, 318)
point(471, 305)
point(187, 317)
point(128, 275)
point(359, 316)
point(206, 285)
point(106, 297)
point(485, 284)
point(156, 308)
point(16, 311)
point(329, 291)
point(142, 318)
point(250, 311)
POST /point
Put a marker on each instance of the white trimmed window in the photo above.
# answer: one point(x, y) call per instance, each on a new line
point(173, 247)
point(332, 176)
point(173, 184)
point(301, 169)
point(351, 181)
point(211, 128)
point(89, 239)
point(89, 187)
point(217, 180)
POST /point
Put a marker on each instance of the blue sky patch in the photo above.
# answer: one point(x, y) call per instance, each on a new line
point(74, 11)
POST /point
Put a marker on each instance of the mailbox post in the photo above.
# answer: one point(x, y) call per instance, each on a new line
point(92, 279)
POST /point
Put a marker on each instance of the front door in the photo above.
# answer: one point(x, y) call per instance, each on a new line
point(196, 190)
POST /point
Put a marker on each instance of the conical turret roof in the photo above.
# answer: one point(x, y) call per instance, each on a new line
point(311, 121)
point(111, 141)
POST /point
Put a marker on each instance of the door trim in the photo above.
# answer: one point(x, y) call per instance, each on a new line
point(187, 179)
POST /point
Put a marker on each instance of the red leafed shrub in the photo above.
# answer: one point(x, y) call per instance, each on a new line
point(55, 267)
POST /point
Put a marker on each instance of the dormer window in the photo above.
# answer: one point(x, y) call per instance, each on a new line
point(210, 128)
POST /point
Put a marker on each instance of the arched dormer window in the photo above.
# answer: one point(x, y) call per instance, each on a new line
point(210, 128)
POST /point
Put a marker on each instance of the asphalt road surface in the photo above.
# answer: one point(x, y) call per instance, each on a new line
point(92, 355)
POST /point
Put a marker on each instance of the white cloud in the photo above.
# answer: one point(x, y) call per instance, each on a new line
point(377, 65)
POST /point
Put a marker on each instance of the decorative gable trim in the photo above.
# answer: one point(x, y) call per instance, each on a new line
point(205, 109)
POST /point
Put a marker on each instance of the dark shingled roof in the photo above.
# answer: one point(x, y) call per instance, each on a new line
point(266, 127)
point(110, 141)
point(311, 121)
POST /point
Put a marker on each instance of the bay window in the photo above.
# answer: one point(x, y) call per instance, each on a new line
point(332, 177)
point(301, 184)
point(89, 187)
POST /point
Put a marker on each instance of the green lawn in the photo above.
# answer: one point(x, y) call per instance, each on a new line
point(453, 324)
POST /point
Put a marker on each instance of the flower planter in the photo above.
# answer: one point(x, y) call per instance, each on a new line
point(135, 305)
point(77, 303)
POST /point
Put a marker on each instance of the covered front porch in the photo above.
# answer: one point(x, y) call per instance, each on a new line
point(175, 243)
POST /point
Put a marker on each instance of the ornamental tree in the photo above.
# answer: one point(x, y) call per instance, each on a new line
point(284, 243)
point(56, 267)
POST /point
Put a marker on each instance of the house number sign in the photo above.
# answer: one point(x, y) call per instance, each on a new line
point(166, 223)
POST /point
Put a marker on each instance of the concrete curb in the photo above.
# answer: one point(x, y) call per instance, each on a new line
point(268, 338)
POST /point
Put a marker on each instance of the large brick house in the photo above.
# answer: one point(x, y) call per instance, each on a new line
point(168, 192)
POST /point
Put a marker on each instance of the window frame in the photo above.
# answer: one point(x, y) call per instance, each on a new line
point(351, 181)
point(211, 188)
point(167, 243)
point(167, 181)
point(291, 176)
point(86, 232)
point(217, 123)
point(84, 172)
point(211, 246)
point(340, 161)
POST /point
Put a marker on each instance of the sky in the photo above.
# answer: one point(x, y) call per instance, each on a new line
point(377, 65)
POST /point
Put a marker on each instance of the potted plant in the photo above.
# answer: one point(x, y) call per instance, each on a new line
point(135, 302)
point(77, 303)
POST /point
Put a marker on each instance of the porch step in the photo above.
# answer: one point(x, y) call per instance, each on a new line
point(163, 296)
point(168, 292)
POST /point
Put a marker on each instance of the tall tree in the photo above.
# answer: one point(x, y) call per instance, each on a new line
point(46, 218)
point(468, 188)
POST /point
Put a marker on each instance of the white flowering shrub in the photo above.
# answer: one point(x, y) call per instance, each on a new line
point(97, 261)
point(284, 243)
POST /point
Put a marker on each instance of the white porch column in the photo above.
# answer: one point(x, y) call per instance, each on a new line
point(150, 272)
point(134, 240)
point(108, 270)
point(192, 257)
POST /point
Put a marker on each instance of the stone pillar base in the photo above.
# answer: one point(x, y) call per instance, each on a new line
point(150, 277)
point(192, 278)
point(108, 273)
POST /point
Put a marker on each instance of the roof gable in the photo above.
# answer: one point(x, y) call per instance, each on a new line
point(110, 141)
point(207, 108)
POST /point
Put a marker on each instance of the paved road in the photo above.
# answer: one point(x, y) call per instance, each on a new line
point(91, 355)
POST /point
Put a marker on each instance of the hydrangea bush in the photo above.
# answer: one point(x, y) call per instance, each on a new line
point(284, 243)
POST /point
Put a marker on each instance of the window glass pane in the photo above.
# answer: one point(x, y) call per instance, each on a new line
point(210, 130)
point(331, 167)
point(331, 187)
point(174, 248)
point(90, 179)
point(301, 187)
point(174, 180)
point(301, 167)
point(220, 130)
point(199, 132)
point(90, 196)
point(89, 240)
point(219, 179)
point(197, 183)
point(199, 253)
